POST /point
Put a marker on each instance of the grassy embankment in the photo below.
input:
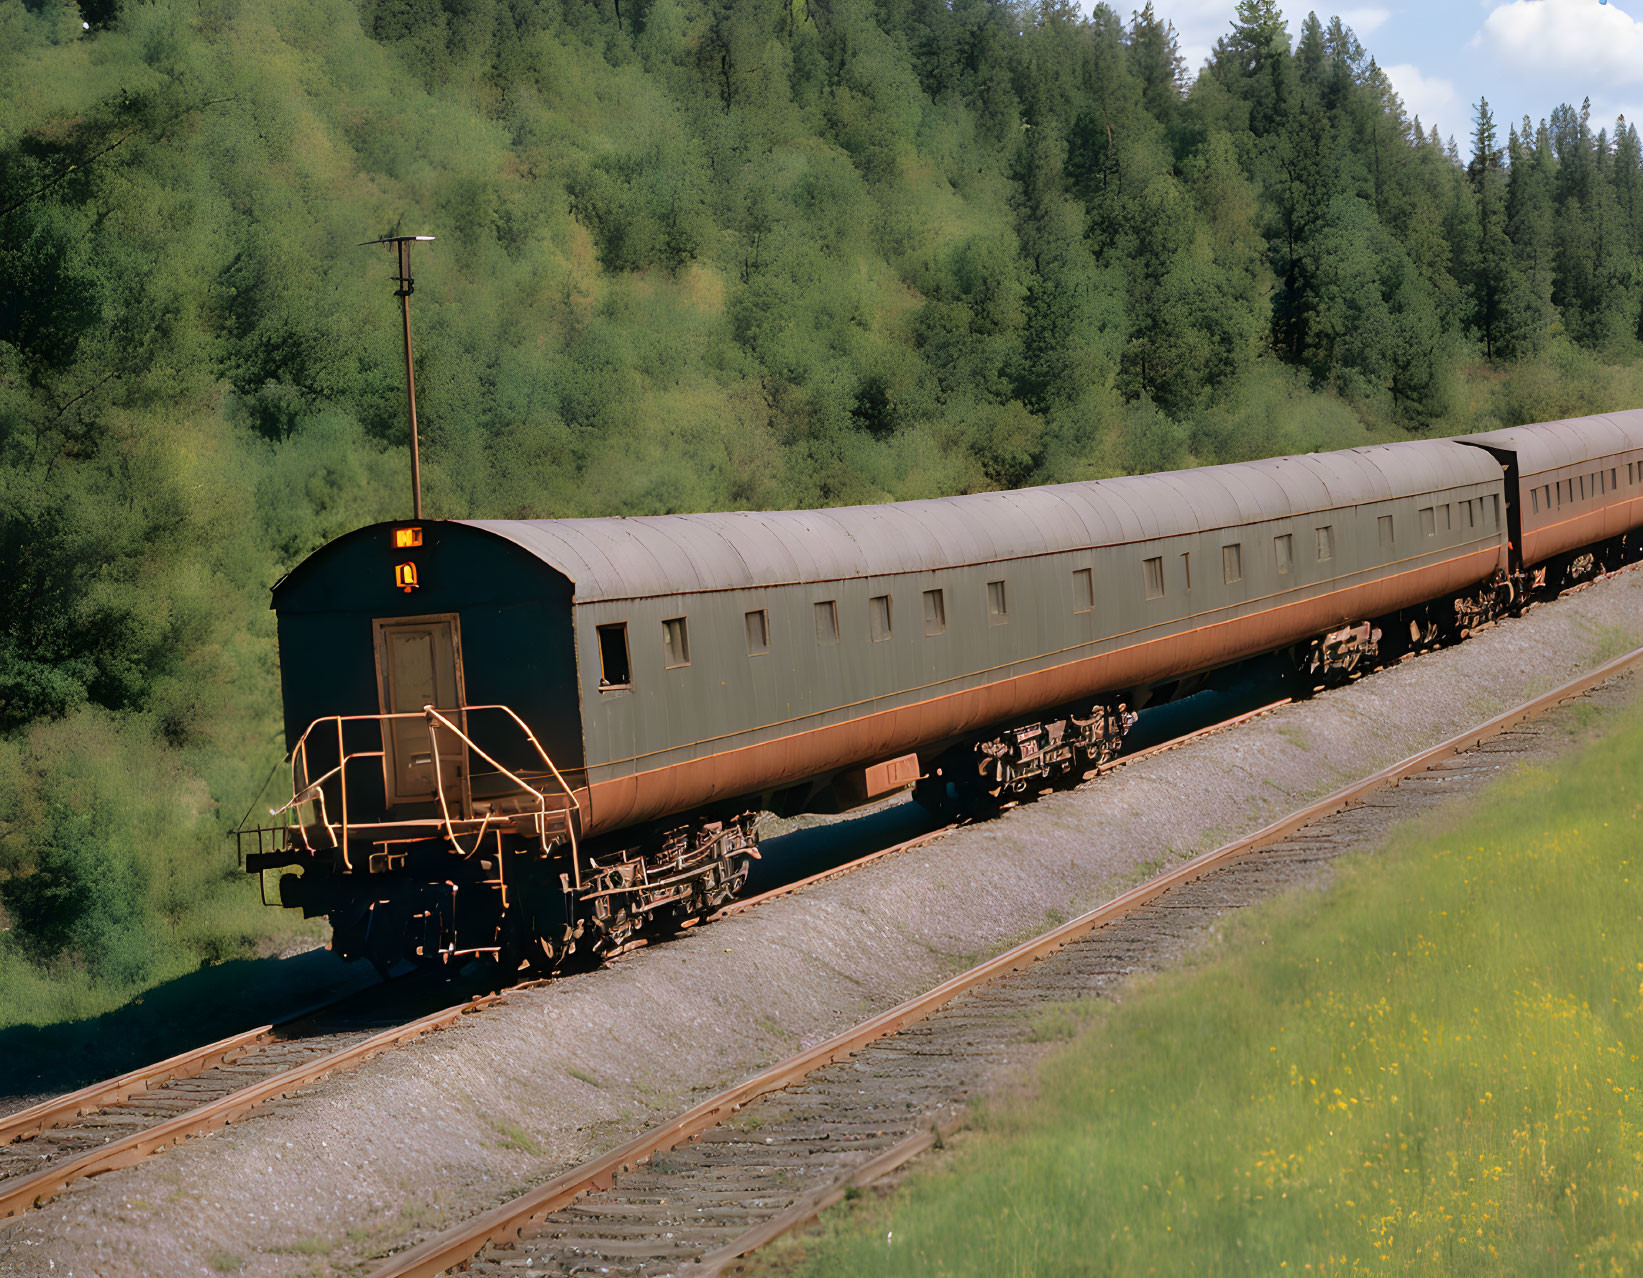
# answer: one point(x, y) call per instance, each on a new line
point(1432, 1066)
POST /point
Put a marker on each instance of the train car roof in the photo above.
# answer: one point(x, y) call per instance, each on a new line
point(1543, 446)
point(641, 556)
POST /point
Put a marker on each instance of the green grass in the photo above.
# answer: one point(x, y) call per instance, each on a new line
point(1433, 1067)
point(514, 1136)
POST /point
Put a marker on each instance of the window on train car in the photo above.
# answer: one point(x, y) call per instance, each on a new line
point(758, 631)
point(613, 656)
point(1383, 526)
point(1429, 522)
point(1471, 513)
point(1446, 516)
point(1534, 500)
point(935, 613)
point(1614, 477)
point(1283, 549)
point(998, 604)
point(1325, 542)
point(1232, 563)
point(827, 620)
point(675, 643)
point(878, 618)
point(1582, 481)
point(1494, 510)
point(1083, 589)
point(1153, 570)
point(1186, 568)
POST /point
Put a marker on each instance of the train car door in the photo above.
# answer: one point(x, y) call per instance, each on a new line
point(419, 663)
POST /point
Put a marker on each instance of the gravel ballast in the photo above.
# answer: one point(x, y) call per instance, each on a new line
point(415, 1139)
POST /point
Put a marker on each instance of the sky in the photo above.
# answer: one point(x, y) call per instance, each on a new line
point(1525, 56)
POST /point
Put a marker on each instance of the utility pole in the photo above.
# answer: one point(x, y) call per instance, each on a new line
point(403, 243)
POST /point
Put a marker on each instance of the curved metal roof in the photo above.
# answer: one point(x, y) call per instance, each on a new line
point(625, 558)
point(1545, 446)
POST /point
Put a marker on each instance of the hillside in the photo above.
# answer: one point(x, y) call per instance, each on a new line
point(691, 254)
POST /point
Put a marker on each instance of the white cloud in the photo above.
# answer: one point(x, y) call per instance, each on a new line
point(1433, 98)
point(1599, 44)
point(1365, 22)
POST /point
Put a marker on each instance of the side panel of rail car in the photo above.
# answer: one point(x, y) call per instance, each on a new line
point(1577, 482)
point(775, 684)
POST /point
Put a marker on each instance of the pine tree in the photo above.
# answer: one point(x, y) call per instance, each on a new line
point(1253, 62)
point(1155, 57)
point(1492, 277)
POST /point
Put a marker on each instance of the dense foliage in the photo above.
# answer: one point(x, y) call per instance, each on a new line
point(691, 254)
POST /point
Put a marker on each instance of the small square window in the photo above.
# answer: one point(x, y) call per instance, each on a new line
point(998, 604)
point(1283, 550)
point(827, 621)
point(1083, 589)
point(1232, 563)
point(613, 656)
point(1325, 542)
point(1383, 526)
point(758, 632)
point(878, 618)
point(1153, 571)
point(935, 613)
point(675, 643)
point(1429, 522)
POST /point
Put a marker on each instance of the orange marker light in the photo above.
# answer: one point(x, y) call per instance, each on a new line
point(405, 577)
point(405, 538)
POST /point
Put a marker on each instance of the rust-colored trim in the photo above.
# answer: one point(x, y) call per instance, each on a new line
point(895, 730)
point(502, 1224)
point(850, 867)
point(1091, 643)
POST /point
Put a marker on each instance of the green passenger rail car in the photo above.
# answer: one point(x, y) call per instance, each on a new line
point(530, 737)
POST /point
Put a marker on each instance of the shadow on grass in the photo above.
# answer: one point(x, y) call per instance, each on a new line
point(205, 1005)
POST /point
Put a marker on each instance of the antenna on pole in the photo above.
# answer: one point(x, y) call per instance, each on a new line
point(406, 287)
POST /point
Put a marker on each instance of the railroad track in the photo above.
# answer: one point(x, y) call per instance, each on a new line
point(695, 1194)
point(123, 1120)
point(119, 1122)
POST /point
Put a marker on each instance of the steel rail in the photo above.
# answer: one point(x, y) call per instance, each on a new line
point(111, 1091)
point(19, 1195)
point(60, 1110)
point(454, 1248)
point(847, 867)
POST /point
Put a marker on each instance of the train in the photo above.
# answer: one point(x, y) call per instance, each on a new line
point(533, 739)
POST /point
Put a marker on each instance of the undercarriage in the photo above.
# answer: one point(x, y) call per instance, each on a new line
point(979, 776)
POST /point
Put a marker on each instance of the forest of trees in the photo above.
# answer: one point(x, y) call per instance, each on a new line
point(691, 254)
